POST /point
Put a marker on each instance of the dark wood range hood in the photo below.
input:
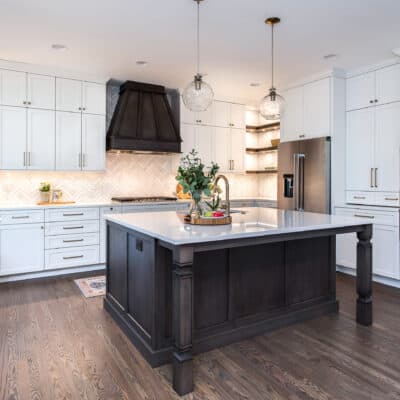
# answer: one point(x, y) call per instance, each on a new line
point(143, 121)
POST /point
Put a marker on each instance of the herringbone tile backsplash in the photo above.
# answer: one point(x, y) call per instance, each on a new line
point(126, 174)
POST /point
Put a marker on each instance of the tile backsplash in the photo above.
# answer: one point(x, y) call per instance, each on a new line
point(126, 174)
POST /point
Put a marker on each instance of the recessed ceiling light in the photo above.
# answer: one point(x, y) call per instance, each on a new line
point(58, 46)
point(141, 63)
point(396, 52)
point(329, 56)
point(255, 84)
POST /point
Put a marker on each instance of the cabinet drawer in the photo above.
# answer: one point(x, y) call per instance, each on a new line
point(58, 242)
point(76, 256)
point(66, 228)
point(71, 214)
point(21, 217)
point(360, 197)
point(387, 199)
point(376, 216)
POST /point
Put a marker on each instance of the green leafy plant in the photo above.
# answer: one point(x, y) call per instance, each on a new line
point(215, 202)
point(194, 177)
point(44, 187)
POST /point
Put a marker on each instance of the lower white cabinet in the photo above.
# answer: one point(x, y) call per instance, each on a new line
point(21, 248)
point(72, 257)
point(385, 241)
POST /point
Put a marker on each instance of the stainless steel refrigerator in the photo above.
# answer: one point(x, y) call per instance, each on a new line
point(304, 175)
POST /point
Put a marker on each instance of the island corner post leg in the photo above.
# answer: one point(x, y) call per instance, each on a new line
point(183, 321)
point(364, 276)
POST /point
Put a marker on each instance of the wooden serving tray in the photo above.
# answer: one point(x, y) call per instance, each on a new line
point(207, 221)
point(54, 203)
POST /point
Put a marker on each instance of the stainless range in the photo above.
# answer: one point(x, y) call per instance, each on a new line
point(133, 199)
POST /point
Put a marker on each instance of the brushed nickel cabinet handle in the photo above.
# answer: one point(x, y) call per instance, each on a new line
point(71, 257)
point(72, 240)
point(371, 178)
point(80, 160)
point(72, 214)
point(301, 136)
point(233, 164)
point(20, 216)
point(359, 197)
point(73, 227)
point(364, 216)
point(391, 198)
point(376, 177)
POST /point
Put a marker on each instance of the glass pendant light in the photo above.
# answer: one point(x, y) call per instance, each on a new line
point(271, 105)
point(198, 95)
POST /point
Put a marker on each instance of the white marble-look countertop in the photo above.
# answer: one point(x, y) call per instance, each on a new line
point(256, 222)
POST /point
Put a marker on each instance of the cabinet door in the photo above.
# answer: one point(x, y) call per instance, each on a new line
point(187, 116)
point(360, 91)
point(317, 108)
point(388, 84)
point(12, 238)
point(387, 147)
point(93, 142)
point(360, 149)
point(204, 144)
point(68, 95)
point(13, 138)
point(188, 133)
point(385, 253)
point(237, 149)
point(222, 111)
point(292, 115)
point(41, 91)
point(68, 141)
point(93, 98)
point(222, 139)
point(205, 117)
point(13, 88)
point(238, 116)
point(41, 139)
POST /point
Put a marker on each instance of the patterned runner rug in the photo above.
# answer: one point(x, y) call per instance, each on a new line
point(93, 286)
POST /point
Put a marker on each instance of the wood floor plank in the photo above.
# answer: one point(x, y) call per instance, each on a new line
point(56, 344)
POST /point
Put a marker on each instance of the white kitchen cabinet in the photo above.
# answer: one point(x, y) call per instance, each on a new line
point(68, 141)
point(292, 116)
point(387, 148)
point(188, 134)
point(199, 138)
point(360, 91)
point(221, 145)
point(317, 108)
point(93, 98)
point(12, 259)
point(13, 137)
point(237, 150)
point(13, 88)
point(229, 115)
point(388, 84)
point(93, 142)
point(360, 149)
point(238, 116)
point(68, 95)
point(201, 118)
point(41, 91)
point(41, 140)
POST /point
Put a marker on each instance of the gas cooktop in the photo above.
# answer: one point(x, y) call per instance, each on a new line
point(155, 199)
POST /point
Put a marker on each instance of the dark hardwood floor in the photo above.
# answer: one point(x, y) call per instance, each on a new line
point(55, 344)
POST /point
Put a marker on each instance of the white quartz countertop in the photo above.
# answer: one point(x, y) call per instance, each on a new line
point(168, 226)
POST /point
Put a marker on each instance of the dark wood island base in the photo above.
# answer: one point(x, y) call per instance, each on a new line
point(175, 301)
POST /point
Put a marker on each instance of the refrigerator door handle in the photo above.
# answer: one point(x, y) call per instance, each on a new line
point(298, 160)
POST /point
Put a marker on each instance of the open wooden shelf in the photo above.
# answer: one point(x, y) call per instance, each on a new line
point(262, 171)
point(261, 149)
point(264, 128)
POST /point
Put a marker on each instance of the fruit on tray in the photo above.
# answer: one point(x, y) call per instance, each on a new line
point(218, 214)
point(208, 214)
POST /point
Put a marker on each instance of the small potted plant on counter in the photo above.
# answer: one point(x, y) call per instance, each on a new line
point(214, 203)
point(196, 179)
point(44, 190)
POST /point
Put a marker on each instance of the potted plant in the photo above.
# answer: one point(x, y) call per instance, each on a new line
point(44, 190)
point(196, 179)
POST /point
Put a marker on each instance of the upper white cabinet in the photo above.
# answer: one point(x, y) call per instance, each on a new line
point(13, 88)
point(306, 113)
point(41, 91)
point(229, 115)
point(200, 118)
point(229, 145)
point(78, 96)
point(374, 88)
point(199, 138)
point(93, 142)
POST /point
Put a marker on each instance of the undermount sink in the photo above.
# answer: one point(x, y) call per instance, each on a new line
point(238, 212)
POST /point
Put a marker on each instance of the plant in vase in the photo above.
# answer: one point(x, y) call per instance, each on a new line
point(196, 179)
point(44, 190)
point(215, 202)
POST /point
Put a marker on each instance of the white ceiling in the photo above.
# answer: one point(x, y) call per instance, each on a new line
point(108, 36)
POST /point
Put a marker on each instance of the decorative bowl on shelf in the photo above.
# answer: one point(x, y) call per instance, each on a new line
point(275, 142)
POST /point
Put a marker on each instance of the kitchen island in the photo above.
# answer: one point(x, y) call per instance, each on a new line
point(178, 290)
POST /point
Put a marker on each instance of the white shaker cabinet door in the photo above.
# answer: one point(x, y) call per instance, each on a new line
point(385, 253)
point(360, 149)
point(93, 98)
point(68, 141)
point(205, 117)
point(237, 149)
point(12, 259)
point(187, 116)
point(204, 144)
point(387, 148)
point(221, 144)
point(13, 138)
point(292, 116)
point(41, 139)
point(68, 95)
point(93, 142)
point(238, 116)
point(388, 84)
point(222, 114)
point(360, 91)
point(188, 134)
point(41, 91)
point(13, 88)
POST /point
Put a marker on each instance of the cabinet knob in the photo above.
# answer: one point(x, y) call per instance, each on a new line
point(371, 101)
point(376, 100)
point(301, 136)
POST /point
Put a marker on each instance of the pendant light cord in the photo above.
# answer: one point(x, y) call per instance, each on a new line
point(198, 37)
point(272, 56)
